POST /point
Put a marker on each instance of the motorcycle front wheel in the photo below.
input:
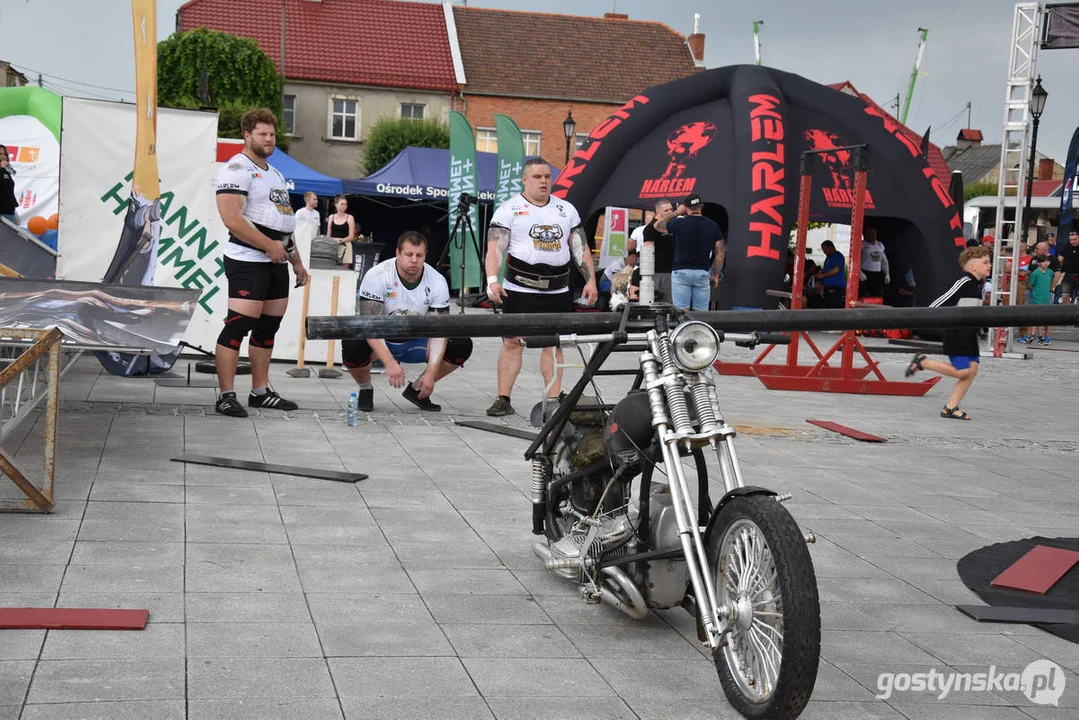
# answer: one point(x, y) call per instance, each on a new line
point(764, 577)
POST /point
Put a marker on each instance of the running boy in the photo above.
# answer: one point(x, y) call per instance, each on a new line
point(960, 344)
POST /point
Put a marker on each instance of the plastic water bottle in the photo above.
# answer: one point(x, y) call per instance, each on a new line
point(353, 416)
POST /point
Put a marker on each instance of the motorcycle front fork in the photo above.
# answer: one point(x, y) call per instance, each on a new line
point(665, 392)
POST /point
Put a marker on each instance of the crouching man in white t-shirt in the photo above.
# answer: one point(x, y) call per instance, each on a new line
point(404, 285)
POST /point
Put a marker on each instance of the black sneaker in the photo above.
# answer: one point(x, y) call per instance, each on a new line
point(270, 400)
point(500, 407)
point(413, 396)
point(367, 399)
point(229, 405)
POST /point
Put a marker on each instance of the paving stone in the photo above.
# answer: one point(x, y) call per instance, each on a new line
point(486, 609)
point(465, 581)
point(156, 640)
point(62, 681)
point(510, 641)
point(568, 708)
point(234, 639)
point(249, 607)
point(126, 554)
point(14, 679)
point(126, 522)
point(135, 578)
point(384, 640)
point(264, 708)
point(410, 708)
point(240, 568)
point(401, 677)
point(121, 491)
point(668, 679)
point(131, 710)
point(368, 608)
point(244, 678)
point(164, 607)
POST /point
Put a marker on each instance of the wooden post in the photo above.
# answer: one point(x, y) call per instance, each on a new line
point(328, 371)
point(303, 322)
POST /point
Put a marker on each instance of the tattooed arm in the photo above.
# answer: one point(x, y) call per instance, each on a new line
point(498, 242)
point(582, 260)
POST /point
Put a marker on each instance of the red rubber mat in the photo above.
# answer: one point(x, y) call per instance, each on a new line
point(848, 431)
point(1037, 571)
point(72, 619)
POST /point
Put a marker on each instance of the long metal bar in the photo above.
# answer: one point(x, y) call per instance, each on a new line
point(428, 326)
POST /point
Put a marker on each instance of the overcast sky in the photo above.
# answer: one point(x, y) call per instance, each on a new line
point(78, 44)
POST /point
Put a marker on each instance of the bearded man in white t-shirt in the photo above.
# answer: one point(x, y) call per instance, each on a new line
point(404, 285)
point(541, 237)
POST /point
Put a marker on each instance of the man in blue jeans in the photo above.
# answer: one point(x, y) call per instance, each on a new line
point(699, 251)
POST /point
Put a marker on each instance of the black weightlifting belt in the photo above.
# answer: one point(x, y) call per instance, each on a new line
point(272, 234)
point(538, 276)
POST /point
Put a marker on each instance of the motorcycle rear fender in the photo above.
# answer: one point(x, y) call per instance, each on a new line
point(737, 492)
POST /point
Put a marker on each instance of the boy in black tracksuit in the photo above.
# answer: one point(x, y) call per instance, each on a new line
point(960, 344)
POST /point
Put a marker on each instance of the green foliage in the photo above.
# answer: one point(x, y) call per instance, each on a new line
point(979, 189)
point(239, 76)
point(390, 136)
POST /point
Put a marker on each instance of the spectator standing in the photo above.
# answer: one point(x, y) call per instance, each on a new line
point(8, 203)
point(1041, 286)
point(663, 243)
point(875, 272)
point(307, 216)
point(699, 252)
point(1069, 267)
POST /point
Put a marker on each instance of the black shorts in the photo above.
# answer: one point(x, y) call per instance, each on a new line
point(873, 285)
point(357, 353)
point(525, 302)
point(256, 280)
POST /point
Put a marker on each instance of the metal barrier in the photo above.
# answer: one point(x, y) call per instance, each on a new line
point(32, 374)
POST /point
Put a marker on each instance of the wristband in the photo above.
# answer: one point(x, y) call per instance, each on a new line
point(491, 280)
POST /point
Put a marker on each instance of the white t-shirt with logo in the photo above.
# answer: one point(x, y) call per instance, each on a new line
point(872, 256)
point(267, 201)
point(383, 284)
point(538, 234)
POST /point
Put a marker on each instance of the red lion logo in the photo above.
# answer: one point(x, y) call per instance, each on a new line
point(838, 162)
point(684, 143)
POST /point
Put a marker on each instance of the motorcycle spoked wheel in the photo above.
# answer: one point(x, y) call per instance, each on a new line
point(762, 567)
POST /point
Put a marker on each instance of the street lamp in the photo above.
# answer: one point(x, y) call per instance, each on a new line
point(1037, 105)
point(568, 126)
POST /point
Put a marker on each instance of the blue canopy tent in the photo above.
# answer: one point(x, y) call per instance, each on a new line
point(302, 179)
point(423, 174)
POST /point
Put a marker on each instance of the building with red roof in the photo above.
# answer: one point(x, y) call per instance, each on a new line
point(348, 63)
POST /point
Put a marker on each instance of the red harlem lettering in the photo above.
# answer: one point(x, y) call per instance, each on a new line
point(769, 206)
point(582, 157)
point(766, 175)
point(764, 249)
point(942, 194)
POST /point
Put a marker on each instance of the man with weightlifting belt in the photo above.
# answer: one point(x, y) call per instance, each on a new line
point(543, 237)
point(252, 198)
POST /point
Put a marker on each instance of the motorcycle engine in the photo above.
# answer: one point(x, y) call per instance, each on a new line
point(590, 540)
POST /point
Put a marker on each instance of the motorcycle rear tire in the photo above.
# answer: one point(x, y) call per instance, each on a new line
point(797, 586)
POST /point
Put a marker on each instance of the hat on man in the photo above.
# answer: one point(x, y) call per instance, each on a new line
point(693, 201)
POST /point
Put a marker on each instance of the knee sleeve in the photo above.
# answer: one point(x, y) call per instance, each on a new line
point(458, 350)
point(265, 330)
point(236, 328)
point(355, 353)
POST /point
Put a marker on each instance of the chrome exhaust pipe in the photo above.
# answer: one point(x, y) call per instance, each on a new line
point(631, 602)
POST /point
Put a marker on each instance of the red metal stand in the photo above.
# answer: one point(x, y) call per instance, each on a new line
point(823, 377)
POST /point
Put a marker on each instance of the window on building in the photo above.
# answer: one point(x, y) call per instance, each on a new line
point(486, 140)
point(531, 140)
point(288, 117)
point(344, 119)
point(412, 111)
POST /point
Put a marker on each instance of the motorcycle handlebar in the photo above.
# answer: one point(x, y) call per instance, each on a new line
point(564, 341)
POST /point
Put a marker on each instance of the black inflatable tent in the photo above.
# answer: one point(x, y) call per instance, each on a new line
point(735, 136)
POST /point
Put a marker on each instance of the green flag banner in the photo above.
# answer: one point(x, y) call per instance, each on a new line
point(511, 159)
point(463, 180)
point(511, 162)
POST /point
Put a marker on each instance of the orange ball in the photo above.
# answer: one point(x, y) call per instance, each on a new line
point(54, 221)
point(37, 225)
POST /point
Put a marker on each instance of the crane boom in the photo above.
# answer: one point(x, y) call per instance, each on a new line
point(914, 73)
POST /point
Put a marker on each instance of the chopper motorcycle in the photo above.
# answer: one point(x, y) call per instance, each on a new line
point(740, 566)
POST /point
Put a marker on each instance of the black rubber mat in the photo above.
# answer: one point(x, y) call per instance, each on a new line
point(316, 473)
point(977, 570)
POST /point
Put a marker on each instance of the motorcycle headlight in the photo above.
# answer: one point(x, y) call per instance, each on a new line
point(694, 346)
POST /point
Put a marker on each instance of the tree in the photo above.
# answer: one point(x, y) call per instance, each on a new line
point(390, 136)
point(980, 189)
point(202, 67)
